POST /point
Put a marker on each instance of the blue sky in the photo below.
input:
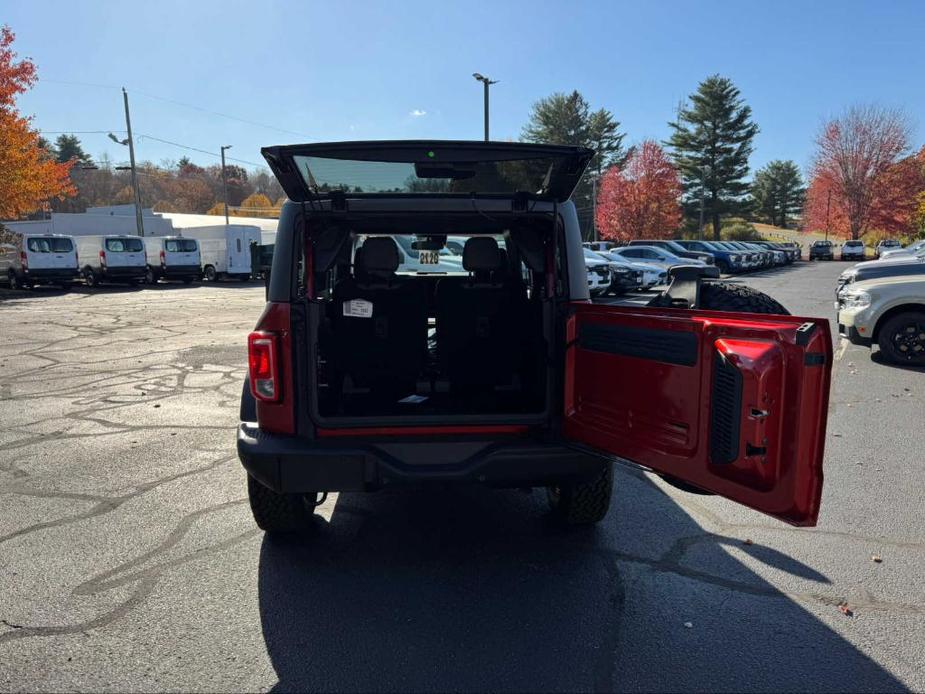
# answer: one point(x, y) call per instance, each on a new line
point(377, 70)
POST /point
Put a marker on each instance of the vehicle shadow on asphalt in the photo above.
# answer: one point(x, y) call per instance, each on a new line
point(878, 358)
point(471, 589)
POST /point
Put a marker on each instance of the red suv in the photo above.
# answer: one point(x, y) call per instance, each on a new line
point(380, 363)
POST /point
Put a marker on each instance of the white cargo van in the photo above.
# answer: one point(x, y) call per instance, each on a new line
point(225, 250)
point(111, 258)
point(39, 259)
point(172, 257)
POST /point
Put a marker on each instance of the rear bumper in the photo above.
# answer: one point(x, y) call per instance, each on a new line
point(51, 274)
point(181, 271)
point(288, 464)
point(124, 272)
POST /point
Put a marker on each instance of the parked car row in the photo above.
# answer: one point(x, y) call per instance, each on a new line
point(882, 302)
point(731, 257)
point(53, 259)
point(855, 249)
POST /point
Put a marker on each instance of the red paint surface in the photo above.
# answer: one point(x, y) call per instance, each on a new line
point(658, 414)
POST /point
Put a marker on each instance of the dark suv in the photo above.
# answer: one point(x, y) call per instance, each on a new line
point(370, 368)
point(822, 250)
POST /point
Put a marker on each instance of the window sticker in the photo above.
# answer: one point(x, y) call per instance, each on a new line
point(358, 308)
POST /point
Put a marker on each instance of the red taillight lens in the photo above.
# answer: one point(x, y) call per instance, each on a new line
point(163, 258)
point(262, 365)
point(24, 260)
point(102, 257)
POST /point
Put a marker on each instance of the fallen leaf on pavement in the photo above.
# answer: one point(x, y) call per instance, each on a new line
point(845, 610)
point(876, 558)
point(747, 541)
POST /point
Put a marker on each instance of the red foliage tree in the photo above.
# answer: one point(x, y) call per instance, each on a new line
point(640, 200)
point(855, 176)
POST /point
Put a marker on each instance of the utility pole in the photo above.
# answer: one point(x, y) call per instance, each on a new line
point(828, 206)
point(703, 176)
point(225, 182)
point(486, 82)
point(139, 222)
point(594, 209)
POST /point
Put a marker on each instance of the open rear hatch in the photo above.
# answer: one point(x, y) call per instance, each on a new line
point(427, 167)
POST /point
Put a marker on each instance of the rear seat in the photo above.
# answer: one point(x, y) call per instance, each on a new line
point(480, 331)
point(380, 323)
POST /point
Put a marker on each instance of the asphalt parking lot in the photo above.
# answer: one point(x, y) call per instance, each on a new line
point(130, 561)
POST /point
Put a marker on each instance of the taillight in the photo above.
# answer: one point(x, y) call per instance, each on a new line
point(163, 258)
point(24, 260)
point(103, 258)
point(263, 365)
point(269, 356)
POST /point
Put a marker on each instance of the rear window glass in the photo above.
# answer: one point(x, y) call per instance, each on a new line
point(180, 245)
point(49, 245)
point(323, 174)
point(124, 245)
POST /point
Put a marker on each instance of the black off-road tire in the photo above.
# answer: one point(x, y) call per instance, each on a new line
point(582, 503)
point(904, 330)
point(737, 298)
point(278, 513)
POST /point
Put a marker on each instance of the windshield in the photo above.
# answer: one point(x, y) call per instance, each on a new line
point(49, 244)
point(124, 245)
point(180, 245)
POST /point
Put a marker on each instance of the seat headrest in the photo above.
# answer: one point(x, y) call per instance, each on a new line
point(481, 254)
point(379, 256)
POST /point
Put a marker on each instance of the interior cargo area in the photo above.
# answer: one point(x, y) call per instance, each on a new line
point(423, 324)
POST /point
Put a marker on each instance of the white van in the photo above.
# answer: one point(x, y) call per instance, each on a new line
point(172, 257)
point(225, 250)
point(39, 259)
point(111, 258)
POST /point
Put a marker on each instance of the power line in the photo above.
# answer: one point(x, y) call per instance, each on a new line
point(183, 105)
point(222, 115)
point(196, 149)
point(80, 132)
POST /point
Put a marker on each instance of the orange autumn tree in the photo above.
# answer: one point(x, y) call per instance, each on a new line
point(28, 174)
point(641, 199)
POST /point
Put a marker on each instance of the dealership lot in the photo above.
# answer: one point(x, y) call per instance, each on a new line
point(130, 560)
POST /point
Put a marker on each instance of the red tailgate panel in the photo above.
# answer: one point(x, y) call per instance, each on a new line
point(732, 403)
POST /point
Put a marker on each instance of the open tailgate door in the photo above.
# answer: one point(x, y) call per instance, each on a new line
point(731, 403)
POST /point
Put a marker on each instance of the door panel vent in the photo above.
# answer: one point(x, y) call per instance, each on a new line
point(668, 346)
point(725, 412)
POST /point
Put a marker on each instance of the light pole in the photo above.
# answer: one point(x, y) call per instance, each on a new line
point(225, 182)
point(703, 177)
point(486, 82)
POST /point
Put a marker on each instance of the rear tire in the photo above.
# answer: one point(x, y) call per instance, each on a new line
point(90, 278)
point(582, 503)
point(14, 280)
point(277, 513)
point(902, 338)
point(149, 276)
point(209, 274)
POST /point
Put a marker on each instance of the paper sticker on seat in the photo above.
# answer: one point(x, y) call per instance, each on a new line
point(358, 308)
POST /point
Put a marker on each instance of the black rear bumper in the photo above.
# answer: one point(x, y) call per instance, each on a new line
point(51, 274)
point(288, 464)
point(124, 273)
point(181, 272)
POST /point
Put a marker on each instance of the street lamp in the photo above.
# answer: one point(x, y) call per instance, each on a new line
point(487, 83)
point(225, 182)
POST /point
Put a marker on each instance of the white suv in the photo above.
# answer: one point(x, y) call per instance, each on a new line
point(852, 250)
point(889, 311)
